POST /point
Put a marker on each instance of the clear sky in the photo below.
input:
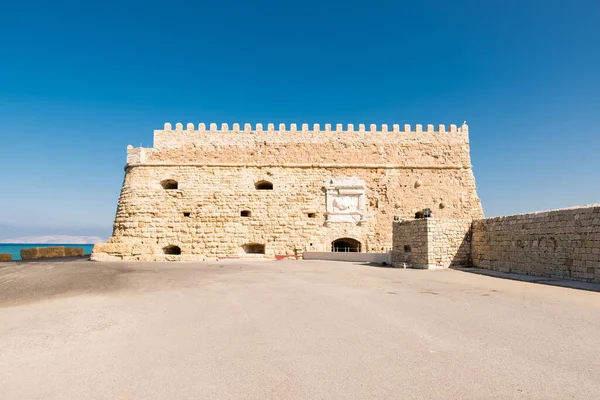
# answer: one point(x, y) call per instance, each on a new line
point(79, 81)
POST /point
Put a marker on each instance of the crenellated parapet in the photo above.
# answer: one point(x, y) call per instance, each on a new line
point(314, 143)
point(294, 128)
point(361, 144)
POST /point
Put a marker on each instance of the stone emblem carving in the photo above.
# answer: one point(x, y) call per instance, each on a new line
point(343, 204)
point(345, 200)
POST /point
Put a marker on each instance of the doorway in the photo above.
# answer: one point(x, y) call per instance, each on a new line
point(345, 245)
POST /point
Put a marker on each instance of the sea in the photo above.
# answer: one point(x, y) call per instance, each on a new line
point(15, 248)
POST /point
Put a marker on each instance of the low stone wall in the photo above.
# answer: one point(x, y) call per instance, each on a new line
point(560, 243)
point(51, 252)
point(5, 257)
point(74, 252)
point(430, 243)
point(377, 258)
point(42, 252)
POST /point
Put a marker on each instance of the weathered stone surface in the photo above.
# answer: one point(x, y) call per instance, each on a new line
point(5, 257)
point(431, 243)
point(42, 252)
point(73, 251)
point(213, 205)
point(559, 243)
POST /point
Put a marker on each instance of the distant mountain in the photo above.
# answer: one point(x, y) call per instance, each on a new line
point(10, 232)
point(55, 239)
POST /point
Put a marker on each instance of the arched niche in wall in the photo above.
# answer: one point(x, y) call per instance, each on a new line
point(263, 185)
point(169, 184)
point(254, 248)
point(172, 250)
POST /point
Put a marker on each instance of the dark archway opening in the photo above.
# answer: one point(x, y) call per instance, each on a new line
point(254, 248)
point(173, 250)
point(345, 245)
point(263, 185)
point(169, 184)
point(246, 213)
point(407, 254)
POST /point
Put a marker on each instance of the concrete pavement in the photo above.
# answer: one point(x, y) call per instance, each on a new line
point(290, 330)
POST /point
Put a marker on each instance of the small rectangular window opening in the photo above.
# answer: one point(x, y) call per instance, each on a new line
point(312, 215)
point(187, 213)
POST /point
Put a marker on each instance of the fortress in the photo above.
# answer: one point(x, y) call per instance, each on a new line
point(409, 193)
point(204, 193)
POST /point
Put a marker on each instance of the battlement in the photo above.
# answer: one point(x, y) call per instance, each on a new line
point(293, 128)
point(308, 144)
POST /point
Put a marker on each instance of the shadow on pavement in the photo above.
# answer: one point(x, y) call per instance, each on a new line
point(593, 287)
point(51, 259)
point(378, 265)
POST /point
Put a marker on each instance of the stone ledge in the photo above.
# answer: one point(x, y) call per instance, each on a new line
point(296, 165)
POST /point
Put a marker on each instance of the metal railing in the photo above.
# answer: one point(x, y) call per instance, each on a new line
point(345, 249)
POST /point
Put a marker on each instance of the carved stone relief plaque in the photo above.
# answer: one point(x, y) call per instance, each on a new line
point(345, 200)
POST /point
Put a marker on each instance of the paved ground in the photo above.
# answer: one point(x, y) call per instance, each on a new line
point(290, 330)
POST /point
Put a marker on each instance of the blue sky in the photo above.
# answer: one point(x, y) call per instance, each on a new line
point(79, 82)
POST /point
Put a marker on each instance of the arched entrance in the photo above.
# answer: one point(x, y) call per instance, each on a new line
point(345, 245)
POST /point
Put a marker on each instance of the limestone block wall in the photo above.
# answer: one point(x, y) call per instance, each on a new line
point(51, 252)
point(410, 243)
point(215, 209)
point(431, 243)
point(42, 252)
point(560, 243)
point(375, 146)
point(449, 242)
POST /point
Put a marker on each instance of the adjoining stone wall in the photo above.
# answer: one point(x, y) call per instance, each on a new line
point(560, 243)
point(431, 243)
point(5, 257)
point(449, 242)
point(215, 171)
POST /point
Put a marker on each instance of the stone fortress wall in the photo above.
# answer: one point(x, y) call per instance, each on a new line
point(209, 193)
point(561, 243)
